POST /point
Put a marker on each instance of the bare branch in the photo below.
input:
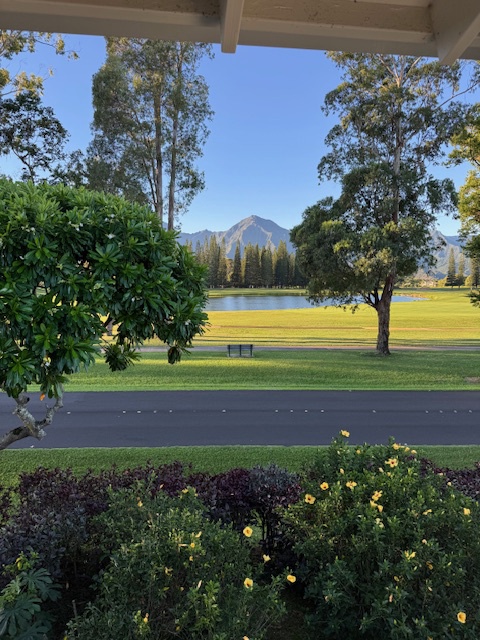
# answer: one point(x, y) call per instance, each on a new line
point(30, 427)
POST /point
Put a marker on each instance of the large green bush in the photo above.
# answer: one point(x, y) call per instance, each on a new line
point(386, 551)
point(174, 573)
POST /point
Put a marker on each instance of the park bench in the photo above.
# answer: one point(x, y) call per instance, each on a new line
point(240, 350)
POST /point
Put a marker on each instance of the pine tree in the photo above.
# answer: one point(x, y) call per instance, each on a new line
point(266, 267)
point(451, 279)
point(222, 264)
point(475, 272)
point(461, 271)
point(213, 262)
point(236, 280)
point(281, 265)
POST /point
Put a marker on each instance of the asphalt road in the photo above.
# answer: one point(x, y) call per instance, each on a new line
point(167, 418)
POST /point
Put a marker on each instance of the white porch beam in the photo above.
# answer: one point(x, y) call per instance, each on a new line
point(230, 20)
point(455, 26)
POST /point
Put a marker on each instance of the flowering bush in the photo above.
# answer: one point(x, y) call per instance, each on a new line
point(384, 550)
point(174, 573)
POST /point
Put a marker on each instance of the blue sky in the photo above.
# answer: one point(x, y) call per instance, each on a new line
point(266, 135)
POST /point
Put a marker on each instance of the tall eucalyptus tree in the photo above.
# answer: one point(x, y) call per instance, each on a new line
point(396, 116)
point(151, 110)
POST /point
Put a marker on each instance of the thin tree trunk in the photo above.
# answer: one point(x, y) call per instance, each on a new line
point(173, 175)
point(157, 106)
point(177, 101)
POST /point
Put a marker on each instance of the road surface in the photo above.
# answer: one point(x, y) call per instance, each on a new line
point(167, 418)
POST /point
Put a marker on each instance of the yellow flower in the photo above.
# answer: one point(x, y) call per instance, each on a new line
point(247, 532)
point(424, 541)
point(245, 638)
point(145, 619)
point(376, 496)
point(140, 503)
point(291, 578)
point(466, 512)
point(413, 452)
point(358, 452)
point(429, 565)
point(462, 617)
point(393, 462)
point(344, 433)
point(266, 558)
point(380, 507)
point(396, 446)
point(351, 484)
point(324, 486)
point(192, 545)
point(425, 513)
point(381, 470)
point(190, 558)
point(185, 490)
point(248, 583)
point(342, 471)
point(309, 499)
point(390, 597)
point(168, 571)
point(409, 554)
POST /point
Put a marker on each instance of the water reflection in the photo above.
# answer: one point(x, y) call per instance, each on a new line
point(273, 303)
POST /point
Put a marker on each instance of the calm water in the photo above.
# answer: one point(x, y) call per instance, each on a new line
point(272, 303)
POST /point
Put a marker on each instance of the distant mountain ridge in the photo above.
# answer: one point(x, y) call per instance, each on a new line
point(266, 233)
point(252, 230)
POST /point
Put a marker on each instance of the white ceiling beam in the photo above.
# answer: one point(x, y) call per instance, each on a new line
point(109, 18)
point(230, 21)
point(455, 26)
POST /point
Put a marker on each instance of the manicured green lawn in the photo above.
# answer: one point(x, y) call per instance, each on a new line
point(440, 317)
point(290, 369)
point(211, 459)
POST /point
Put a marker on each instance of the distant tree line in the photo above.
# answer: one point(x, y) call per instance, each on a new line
point(456, 276)
point(256, 267)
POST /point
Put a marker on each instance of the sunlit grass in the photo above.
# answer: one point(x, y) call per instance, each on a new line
point(441, 317)
point(290, 369)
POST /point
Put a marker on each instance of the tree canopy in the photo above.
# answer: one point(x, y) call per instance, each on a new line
point(14, 43)
point(150, 123)
point(394, 122)
point(32, 133)
point(73, 262)
point(467, 147)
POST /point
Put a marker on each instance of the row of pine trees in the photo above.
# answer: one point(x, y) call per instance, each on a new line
point(456, 277)
point(256, 267)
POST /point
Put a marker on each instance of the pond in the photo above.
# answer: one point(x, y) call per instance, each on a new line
point(273, 303)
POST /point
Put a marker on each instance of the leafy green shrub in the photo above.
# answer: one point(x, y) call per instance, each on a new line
point(174, 573)
point(384, 550)
point(21, 614)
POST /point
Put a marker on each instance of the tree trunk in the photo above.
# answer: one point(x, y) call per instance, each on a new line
point(157, 107)
point(173, 175)
point(383, 312)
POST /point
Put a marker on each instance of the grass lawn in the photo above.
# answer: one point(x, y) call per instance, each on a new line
point(289, 369)
point(211, 459)
point(441, 317)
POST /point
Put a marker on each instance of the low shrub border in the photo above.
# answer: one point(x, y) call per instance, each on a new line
point(379, 541)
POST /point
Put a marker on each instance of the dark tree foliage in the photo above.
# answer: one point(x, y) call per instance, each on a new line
point(32, 133)
point(73, 262)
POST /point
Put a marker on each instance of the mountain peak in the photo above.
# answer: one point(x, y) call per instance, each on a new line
point(251, 230)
